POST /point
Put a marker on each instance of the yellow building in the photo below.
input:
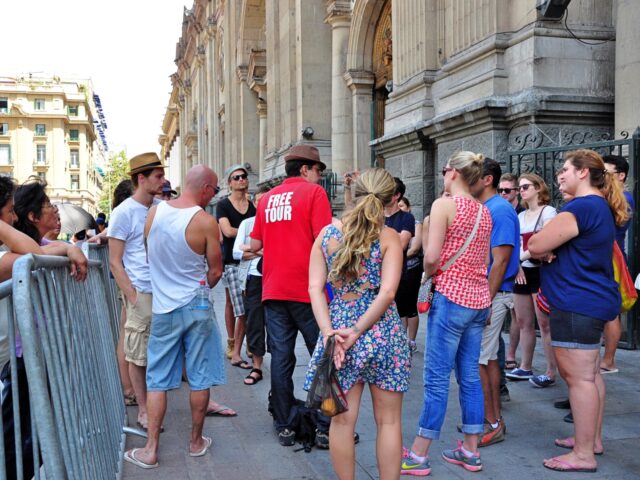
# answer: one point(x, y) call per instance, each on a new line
point(54, 128)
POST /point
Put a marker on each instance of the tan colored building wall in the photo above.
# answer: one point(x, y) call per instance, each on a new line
point(49, 131)
point(402, 83)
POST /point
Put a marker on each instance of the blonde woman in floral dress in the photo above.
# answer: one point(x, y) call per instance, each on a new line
point(363, 263)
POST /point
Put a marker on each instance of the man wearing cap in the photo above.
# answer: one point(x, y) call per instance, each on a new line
point(167, 192)
point(128, 262)
point(288, 220)
point(230, 212)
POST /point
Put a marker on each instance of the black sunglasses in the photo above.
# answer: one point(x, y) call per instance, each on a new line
point(506, 190)
point(242, 176)
point(446, 169)
point(216, 189)
point(525, 186)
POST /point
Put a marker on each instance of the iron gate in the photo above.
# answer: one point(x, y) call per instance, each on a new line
point(546, 162)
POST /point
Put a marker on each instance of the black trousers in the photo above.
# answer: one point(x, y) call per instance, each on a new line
point(25, 422)
point(254, 315)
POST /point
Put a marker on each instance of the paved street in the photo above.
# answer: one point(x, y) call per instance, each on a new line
point(246, 446)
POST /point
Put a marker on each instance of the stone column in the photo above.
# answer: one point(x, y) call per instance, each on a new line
point(339, 17)
point(361, 85)
point(262, 115)
point(627, 69)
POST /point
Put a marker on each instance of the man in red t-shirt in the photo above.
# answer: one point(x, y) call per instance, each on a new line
point(288, 220)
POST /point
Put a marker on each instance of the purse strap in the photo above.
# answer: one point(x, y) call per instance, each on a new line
point(466, 243)
point(535, 227)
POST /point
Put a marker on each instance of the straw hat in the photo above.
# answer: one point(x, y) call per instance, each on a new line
point(143, 162)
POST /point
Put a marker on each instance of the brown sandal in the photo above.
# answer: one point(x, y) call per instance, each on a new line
point(250, 379)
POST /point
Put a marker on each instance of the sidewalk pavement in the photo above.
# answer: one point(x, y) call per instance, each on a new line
point(247, 447)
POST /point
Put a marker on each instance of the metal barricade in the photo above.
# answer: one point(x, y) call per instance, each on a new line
point(93, 251)
point(70, 361)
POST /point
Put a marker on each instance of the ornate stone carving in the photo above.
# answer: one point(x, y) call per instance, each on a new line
point(383, 48)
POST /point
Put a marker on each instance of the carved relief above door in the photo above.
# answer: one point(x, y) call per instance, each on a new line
point(383, 73)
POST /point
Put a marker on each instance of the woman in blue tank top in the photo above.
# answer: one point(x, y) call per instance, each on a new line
point(577, 278)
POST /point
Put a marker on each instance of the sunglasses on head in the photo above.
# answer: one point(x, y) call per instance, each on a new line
point(507, 190)
point(525, 186)
point(242, 176)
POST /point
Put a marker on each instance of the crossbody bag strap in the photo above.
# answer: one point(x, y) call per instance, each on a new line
point(466, 243)
point(535, 227)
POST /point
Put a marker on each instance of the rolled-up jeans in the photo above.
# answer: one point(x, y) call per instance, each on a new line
point(283, 320)
point(454, 334)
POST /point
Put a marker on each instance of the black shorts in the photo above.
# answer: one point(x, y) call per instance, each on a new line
point(407, 294)
point(574, 330)
point(532, 274)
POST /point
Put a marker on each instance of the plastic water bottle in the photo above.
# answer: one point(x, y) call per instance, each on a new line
point(202, 296)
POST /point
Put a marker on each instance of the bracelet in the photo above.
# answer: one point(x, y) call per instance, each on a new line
point(355, 329)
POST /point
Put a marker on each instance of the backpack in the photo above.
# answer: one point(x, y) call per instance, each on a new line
point(303, 421)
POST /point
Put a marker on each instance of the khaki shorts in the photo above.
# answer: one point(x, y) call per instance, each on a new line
point(136, 329)
point(501, 305)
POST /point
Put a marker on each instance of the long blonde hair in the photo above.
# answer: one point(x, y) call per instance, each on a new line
point(603, 181)
point(362, 225)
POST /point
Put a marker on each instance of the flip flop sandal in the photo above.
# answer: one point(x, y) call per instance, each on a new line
point(219, 410)
point(130, 400)
point(207, 444)
point(604, 371)
point(568, 467)
point(569, 443)
point(510, 364)
point(130, 456)
point(251, 380)
point(242, 364)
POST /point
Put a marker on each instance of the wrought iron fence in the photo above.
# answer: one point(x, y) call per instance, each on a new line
point(546, 161)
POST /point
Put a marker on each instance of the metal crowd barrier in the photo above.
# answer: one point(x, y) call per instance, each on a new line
point(93, 251)
point(67, 339)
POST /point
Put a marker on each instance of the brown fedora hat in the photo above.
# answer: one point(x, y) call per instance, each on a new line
point(305, 152)
point(143, 162)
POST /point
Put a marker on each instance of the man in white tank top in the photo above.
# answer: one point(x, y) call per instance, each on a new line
point(183, 249)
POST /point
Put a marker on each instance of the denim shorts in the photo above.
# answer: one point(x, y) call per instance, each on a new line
point(190, 336)
point(574, 330)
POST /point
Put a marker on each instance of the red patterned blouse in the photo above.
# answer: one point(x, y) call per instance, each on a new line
point(465, 282)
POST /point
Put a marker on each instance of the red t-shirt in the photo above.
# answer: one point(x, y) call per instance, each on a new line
point(288, 220)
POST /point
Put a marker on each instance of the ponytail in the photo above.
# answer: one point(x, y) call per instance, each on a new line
point(614, 195)
point(362, 225)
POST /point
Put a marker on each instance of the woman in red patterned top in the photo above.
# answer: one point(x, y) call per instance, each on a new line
point(457, 317)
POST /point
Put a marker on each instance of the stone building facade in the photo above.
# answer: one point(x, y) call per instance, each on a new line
point(54, 128)
point(397, 83)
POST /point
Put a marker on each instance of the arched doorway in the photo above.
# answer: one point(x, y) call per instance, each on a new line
point(382, 63)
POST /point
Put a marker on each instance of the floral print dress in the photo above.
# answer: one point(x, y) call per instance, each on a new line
point(381, 355)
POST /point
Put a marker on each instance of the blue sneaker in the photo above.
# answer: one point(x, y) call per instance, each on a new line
point(519, 374)
point(410, 466)
point(542, 381)
point(472, 463)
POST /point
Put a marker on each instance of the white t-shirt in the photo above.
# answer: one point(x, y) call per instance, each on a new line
point(528, 224)
point(127, 224)
point(246, 267)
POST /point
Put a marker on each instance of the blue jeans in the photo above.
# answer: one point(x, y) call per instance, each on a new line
point(454, 334)
point(283, 320)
